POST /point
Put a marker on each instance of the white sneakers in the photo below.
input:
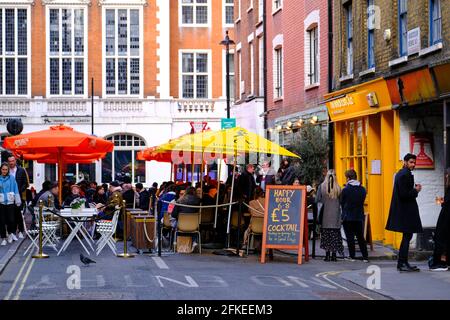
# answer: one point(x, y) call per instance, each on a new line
point(14, 237)
point(10, 238)
point(3, 242)
point(20, 235)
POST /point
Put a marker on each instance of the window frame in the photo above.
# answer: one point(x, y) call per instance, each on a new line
point(313, 55)
point(349, 38)
point(225, 4)
point(277, 5)
point(432, 5)
point(278, 82)
point(128, 56)
point(15, 56)
point(402, 15)
point(194, 24)
point(370, 39)
point(194, 73)
point(60, 56)
point(232, 74)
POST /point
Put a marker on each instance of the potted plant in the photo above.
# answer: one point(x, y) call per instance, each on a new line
point(77, 205)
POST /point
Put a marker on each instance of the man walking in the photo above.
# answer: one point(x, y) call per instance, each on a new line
point(404, 212)
point(22, 180)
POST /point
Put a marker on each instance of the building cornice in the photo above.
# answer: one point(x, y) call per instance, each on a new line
point(18, 2)
point(122, 2)
point(66, 2)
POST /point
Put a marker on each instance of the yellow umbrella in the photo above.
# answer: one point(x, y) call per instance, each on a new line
point(229, 141)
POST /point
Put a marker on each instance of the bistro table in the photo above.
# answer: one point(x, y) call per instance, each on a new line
point(76, 224)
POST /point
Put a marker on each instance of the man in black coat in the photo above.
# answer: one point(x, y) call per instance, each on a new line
point(404, 212)
point(22, 180)
point(246, 184)
point(144, 197)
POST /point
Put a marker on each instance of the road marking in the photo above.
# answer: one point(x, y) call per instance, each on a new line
point(160, 263)
point(24, 280)
point(325, 275)
point(16, 280)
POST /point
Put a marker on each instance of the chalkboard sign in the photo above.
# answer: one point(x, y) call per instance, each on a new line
point(284, 219)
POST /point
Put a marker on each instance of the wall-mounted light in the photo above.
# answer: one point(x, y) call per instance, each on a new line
point(288, 125)
point(270, 130)
point(314, 119)
point(279, 127)
point(299, 122)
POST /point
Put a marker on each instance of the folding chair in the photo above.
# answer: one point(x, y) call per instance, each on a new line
point(32, 234)
point(107, 229)
point(166, 225)
point(188, 223)
point(257, 224)
point(48, 230)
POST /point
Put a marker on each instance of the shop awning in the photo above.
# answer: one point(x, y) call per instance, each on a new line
point(442, 76)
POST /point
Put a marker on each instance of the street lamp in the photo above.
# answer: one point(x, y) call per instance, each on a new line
point(227, 42)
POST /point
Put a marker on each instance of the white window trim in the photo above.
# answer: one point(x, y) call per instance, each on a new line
point(261, 49)
point(312, 21)
point(239, 7)
point(180, 73)
point(275, 73)
point(261, 4)
point(195, 24)
point(276, 10)
point(141, 53)
point(224, 73)
point(85, 55)
point(251, 45)
point(3, 75)
point(250, 7)
point(224, 15)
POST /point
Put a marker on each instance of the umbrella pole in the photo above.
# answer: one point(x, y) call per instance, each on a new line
point(231, 201)
point(60, 175)
point(218, 192)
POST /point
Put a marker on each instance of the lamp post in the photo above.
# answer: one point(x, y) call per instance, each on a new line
point(227, 42)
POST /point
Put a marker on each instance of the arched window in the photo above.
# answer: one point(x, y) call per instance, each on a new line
point(122, 161)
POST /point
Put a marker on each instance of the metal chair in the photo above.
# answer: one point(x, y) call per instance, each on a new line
point(107, 229)
point(257, 229)
point(48, 229)
point(207, 217)
point(188, 223)
point(32, 234)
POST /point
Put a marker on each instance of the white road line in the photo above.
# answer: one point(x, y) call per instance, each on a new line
point(160, 263)
point(325, 275)
point(24, 280)
point(18, 276)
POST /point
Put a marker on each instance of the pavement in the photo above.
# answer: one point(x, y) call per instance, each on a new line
point(7, 253)
point(211, 277)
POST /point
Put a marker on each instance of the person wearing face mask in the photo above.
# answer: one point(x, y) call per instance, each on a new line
point(9, 199)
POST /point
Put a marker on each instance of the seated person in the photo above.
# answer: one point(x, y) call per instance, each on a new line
point(52, 195)
point(74, 194)
point(256, 211)
point(166, 198)
point(114, 202)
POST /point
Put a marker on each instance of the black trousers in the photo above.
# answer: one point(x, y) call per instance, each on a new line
point(352, 229)
point(404, 248)
point(18, 218)
point(6, 219)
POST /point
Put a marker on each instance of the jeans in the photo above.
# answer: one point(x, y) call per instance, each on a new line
point(404, 248)
point(352, 229)
point(18, 218)
point(7, 219)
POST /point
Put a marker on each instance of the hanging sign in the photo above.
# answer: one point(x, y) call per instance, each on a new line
point(421, 144)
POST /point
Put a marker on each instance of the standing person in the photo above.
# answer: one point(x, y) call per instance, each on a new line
point(144, 197)
point(246, 183)
point(21, 176)
point(352, 203)
point(328, 194)
point(266, 175)
point(152, 194)
point(289, 174)
point(404, 212)
point(442, 234)
point(9, 199)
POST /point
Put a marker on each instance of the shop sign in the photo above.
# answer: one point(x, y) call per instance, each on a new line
point(413, 39)
point(68, 119)
point(421, 144)
point(5, 120)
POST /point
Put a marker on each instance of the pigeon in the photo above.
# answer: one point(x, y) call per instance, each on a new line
point(86, 261)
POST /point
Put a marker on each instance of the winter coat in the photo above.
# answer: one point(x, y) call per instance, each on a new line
point(246, 185)
point(163, 202)
point(288, 176)
point(44, 197)
point(404, 211)
point(331, 218)
point(352, 201)
point(191, 200)
point(266, 179)
point(22, 181)
point(9, 191)
point(442, 233)
point(144, 200)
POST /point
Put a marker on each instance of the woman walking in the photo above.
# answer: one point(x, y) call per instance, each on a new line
point(9, 197)
point(328, 194)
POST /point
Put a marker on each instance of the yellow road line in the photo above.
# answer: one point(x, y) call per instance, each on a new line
point(16, 280)
point(24, 280)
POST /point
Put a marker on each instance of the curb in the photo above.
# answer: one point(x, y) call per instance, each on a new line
point(4, 261)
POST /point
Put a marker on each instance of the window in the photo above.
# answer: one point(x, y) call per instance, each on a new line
point(229, 12)
point(313, 56)
point(278, 79)
point(67, 55)
point(252, 68)
point(241, 83)
point(435, 22)
point(261, 66)
point(370, 34)
point(123, 46)
point(250, 5)
point(14, 52)
point(403, 26)
point(276, 4)
point(122, 161)
point(260, 10)
point(195, 75)
point(194, 12)
point(349, 27)
point(232, 75)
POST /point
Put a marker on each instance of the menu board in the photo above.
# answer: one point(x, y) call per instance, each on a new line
point(284, 219)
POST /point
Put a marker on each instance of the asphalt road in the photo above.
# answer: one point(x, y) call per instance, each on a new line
point(202, 277)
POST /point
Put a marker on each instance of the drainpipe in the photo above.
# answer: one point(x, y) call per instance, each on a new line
point(266, 133)
point(330, 82)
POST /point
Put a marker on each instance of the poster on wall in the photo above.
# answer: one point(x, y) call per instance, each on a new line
point(421, 144)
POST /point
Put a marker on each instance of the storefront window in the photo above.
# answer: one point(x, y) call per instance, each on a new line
point(122, 162)
point(86, 172)
point(71, 173)
point(50, 172)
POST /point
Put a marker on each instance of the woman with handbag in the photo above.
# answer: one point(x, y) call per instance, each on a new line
point(9, 197)
point(328, 194)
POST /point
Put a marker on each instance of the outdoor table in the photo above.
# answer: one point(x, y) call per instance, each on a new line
point(78, 226)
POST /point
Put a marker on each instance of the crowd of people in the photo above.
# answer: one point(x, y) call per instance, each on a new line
point(338, 207)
